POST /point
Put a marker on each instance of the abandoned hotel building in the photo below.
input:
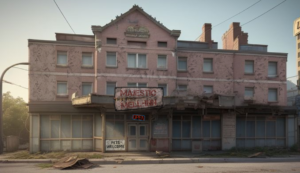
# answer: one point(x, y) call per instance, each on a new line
point(213, 99)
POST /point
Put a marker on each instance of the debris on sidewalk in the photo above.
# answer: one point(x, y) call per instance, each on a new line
point(259, 154)
point(73, 162)
point(162, 154)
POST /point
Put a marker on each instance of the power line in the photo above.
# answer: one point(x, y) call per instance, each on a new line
point(263, 13)
point(21, 68)
point(14, 84)
point(236, 14)
point(64, 16)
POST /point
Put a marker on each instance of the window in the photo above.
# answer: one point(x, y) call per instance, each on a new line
point(207, 89)
point(272, 95)
point(62, 88)
point(87, 59)
point(137, 43)
point(298, 45)
point(141, 85)
point(110, 88)
point(249, 92)
point(260, 131)
point(111, 41)
point(249, 67)
point(62, 58)
point(162, 61)
point(182, 87)
point(182, 63)
point(111, 59)
point(162, 44)
point(165, 88)
point(78, 129)
point(87, 88)
point(137, 61)
point(272, 69)
point(208, 65)
point(298, 54)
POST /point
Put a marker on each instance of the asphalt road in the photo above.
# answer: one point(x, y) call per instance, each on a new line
point(289, 167)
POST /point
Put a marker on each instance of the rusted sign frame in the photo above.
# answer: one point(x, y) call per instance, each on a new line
point(158, 107)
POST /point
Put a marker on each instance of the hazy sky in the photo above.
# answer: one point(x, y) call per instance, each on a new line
point(21, 20)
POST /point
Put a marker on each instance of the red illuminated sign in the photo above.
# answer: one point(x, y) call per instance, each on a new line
point(138, 117)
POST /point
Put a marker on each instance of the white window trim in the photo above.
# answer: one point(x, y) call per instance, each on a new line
point(208, 86)
point(106, 87)
point(66, 86)
point(273, 76)
point(82, 59)
point(212, 66)
point(276, 95)
point(166, 87)
point(137, 60)
point(166, 61)
point(245, 67)
point(178, 63)
point(92, 87)
point(57, 58)
point(116, 60)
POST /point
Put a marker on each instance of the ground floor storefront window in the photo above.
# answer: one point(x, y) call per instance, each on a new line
point(260, 131)
point(66, 132)
point(186, 129)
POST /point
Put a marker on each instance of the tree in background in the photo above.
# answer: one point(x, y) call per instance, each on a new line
point(15, 117)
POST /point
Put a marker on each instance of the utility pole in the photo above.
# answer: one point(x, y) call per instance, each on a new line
point(1, 111)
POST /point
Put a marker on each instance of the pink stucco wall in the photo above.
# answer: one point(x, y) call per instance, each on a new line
point(228, 76)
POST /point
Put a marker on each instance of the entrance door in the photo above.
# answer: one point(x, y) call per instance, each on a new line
point(137, 137)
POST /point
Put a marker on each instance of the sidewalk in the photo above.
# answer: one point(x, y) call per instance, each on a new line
point(152, 158)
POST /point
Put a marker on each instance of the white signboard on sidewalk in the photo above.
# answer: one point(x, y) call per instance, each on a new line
point(113, 145)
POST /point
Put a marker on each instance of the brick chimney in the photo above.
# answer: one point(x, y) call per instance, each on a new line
point(206, 33)
point(234, 37)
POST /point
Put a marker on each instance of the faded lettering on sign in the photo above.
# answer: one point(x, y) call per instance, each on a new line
point(138, 98)
point(115, 145)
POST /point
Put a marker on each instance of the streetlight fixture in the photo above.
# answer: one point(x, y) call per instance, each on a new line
point(1, 111)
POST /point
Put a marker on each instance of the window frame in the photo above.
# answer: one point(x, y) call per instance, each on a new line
point(162, 42)
point(177, 88)
point(82, 88)
point(111, 39)
point(66, 94)
point(137, 61)
point(276, 89)
point(212, 65)
point(247, 73)
point(137, 84)
point(276, 75)
point(106, 87)
point(116, 60)
point(178, 59)
point(212, 88)
point(245, 96)
point(162, 68)
point(165, 94)
point(91, 57)
point(62, 65)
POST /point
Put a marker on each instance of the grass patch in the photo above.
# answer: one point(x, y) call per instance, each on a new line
point(44, 165)
point(51, 155)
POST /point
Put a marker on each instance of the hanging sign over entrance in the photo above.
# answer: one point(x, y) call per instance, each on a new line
point(138, 98)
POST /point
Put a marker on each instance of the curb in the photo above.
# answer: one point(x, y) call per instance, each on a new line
point(163, 161)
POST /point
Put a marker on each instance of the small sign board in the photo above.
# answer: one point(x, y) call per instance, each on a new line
point(137, 117)
point(112, 145)
point(127, 98)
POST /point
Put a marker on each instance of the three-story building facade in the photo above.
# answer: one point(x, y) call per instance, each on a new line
point(214, 99)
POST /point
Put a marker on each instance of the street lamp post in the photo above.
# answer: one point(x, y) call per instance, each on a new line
point(1, 111)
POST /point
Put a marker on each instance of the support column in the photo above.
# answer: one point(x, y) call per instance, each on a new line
point(170, 117)
point(228, 131)
point(103, 130)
